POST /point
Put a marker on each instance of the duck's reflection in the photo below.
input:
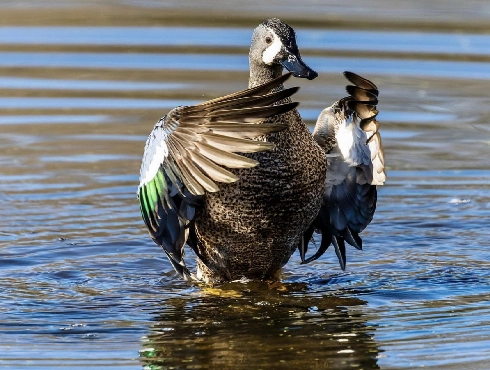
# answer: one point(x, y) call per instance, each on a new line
point(253, 326)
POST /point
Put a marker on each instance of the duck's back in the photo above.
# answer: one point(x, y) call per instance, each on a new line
point(251, 228)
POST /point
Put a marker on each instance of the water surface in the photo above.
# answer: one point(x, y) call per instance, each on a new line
point(82, 284)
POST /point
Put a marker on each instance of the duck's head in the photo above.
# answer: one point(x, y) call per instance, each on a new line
point(274, 43)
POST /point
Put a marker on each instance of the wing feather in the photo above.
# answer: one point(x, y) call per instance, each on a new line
point(214, 171)
point(255, 91)
point(187, 151)
point(230, 160)
point(348, 132)
point(233, 144)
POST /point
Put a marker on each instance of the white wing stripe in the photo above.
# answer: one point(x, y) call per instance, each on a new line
point(156, 151)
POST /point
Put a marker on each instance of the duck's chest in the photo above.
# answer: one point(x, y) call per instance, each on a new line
point(285, 187)
point(293, 172)
point(251, 228)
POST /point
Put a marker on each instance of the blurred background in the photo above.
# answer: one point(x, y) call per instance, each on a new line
point(83, 82)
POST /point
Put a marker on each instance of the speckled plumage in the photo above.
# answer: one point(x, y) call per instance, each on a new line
point(284, 31)
point(252, 227)
point(244, 183)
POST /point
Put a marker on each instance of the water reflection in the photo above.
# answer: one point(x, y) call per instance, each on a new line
point(254, 326)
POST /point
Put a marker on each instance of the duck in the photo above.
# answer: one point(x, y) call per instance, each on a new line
point(242, 181)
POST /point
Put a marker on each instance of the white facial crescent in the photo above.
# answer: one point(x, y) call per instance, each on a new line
point(272, 50)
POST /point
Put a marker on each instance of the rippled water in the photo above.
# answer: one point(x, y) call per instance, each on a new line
point(82, 284)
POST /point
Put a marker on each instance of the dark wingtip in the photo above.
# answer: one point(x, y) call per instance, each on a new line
point(361, 82)
point(361, 94)
point(339, 245)
point(364, 111)
point(292, 90)
point(291, 106)
point(283, 78)
point(352, 238)
point(180, 268)
point(326, 240)
point(303, 246)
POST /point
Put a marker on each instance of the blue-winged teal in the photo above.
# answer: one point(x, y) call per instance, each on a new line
point(244, 183)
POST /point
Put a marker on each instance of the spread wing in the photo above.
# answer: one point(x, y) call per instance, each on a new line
point(348, 132)
point(187, 154)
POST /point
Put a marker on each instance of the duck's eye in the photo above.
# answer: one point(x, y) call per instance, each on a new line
point(268, 39)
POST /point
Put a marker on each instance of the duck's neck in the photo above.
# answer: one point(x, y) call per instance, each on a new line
point(261, 73)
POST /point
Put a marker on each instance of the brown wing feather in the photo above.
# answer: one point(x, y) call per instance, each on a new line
point(187, 151)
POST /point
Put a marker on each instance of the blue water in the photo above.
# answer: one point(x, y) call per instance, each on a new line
point(83, 286)
point(316, 39)
point(230, 63)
